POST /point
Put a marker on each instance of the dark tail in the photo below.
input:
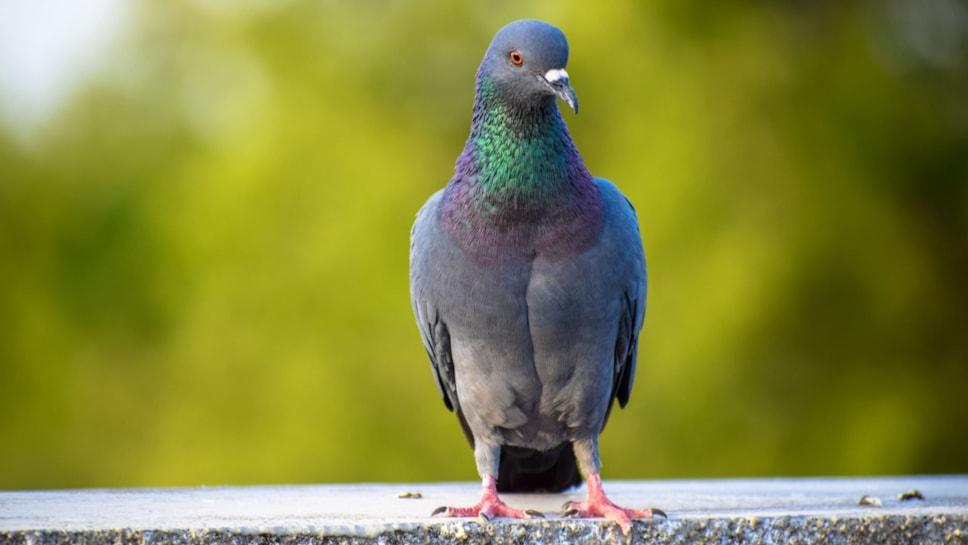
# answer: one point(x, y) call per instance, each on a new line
point(526, 470)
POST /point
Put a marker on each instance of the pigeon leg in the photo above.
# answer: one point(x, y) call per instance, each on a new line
point(596, 504)
point(489, 507)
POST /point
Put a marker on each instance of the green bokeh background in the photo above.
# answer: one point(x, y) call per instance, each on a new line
point(203, 251)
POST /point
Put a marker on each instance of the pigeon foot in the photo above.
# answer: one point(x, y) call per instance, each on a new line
point(596, 504)
point(489, 507)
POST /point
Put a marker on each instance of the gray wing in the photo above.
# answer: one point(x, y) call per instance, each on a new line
point(436, 338)
point(425, 239)
point(633, 308)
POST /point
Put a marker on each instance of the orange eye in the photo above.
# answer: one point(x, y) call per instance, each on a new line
point(516, 57)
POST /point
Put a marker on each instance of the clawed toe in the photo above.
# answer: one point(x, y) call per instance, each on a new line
point(445, 511)
point(486, 511)
point(639, 513)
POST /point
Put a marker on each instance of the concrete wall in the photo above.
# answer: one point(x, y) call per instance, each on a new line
point(708, 511)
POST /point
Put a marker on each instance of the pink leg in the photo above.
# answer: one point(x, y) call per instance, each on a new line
point(596, 504)
point(489, 507)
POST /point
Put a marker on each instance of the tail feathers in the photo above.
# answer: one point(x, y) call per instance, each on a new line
point(527, 470)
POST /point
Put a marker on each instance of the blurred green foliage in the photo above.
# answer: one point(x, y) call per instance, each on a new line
point(203, 252)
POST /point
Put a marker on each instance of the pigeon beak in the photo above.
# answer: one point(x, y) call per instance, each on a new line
point(557, 80)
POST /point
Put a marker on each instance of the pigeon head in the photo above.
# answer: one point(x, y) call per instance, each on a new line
point(525, 65)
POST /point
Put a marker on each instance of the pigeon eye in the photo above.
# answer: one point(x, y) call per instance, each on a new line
point(516, 57)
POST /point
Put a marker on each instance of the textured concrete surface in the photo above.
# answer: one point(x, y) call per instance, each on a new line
point(707, 511)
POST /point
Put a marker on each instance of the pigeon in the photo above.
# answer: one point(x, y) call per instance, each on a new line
point(528, 284)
